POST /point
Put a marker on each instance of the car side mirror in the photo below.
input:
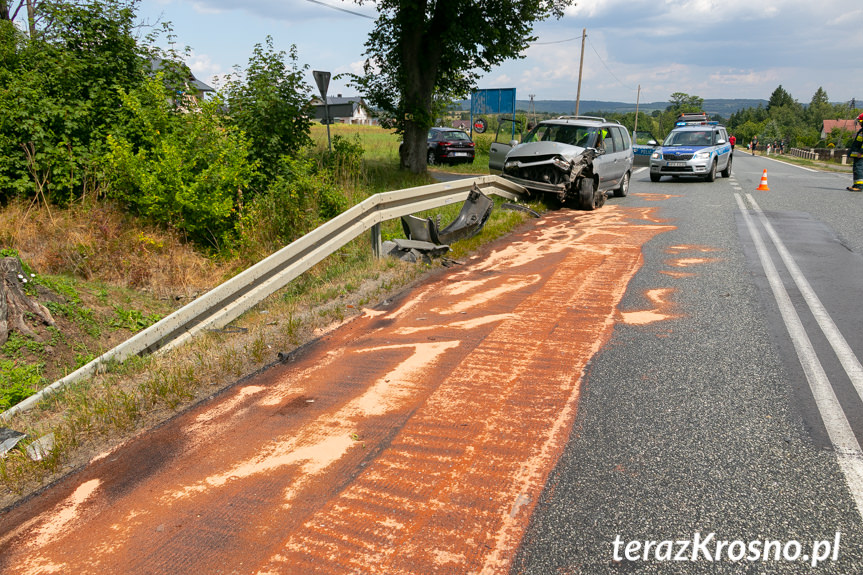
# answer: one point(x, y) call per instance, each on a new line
point(652, 143)
point(513, 143)
point(720, 141)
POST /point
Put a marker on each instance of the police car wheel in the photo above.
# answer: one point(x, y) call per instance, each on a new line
point(726, 173)
point(711, 175)
point(654, 177)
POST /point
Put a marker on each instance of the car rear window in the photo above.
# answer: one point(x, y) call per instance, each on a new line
point(455, 135)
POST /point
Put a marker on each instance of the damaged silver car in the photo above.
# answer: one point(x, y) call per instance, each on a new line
point(579, 159)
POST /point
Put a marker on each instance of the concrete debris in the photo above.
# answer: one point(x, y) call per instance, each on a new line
point(41, 448)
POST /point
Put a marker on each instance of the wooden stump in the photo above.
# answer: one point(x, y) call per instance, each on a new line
point(15, 303)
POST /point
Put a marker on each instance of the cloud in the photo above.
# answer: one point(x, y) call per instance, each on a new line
point(204, 8)
point(205, 69)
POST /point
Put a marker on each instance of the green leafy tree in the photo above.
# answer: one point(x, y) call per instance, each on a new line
point(270, 102)
point(779, 98)
point(820, 108)
point(59, 95)
point(420, 51)
point(681, 102)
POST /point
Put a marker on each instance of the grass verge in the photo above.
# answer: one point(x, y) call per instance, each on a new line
point(97, 414)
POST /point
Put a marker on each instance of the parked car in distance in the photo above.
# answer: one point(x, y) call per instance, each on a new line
point(449, 146)
point(579, 159)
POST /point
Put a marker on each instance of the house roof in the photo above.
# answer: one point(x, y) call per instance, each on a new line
point(844, 125)
point(157, 64)
point(339, 100)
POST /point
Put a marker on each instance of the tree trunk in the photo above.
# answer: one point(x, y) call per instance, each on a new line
point(420, 55)
point(31, 18)
point(14, 303)
point(416, 148)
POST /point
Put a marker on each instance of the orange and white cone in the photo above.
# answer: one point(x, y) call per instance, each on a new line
point(763, 187)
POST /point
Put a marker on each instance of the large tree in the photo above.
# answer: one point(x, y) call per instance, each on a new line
point(423, 51)
point(779, 98)
point(9, 10)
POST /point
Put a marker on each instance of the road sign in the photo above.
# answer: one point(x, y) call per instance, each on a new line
point(322, 79)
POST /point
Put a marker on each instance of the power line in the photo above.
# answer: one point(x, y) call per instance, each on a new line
point(340, 9)
point(606, 65)
point(555, 41)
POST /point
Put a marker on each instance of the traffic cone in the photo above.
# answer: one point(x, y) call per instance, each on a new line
point(763, 187)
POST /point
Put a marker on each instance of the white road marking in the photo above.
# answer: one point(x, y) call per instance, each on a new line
point(848, 452)
point(846, 355)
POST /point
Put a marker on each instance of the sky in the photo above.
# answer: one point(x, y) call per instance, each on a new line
point(705, 48)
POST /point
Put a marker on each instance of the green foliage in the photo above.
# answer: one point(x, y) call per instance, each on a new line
point(298, 200)
point(185, 170)
point(416, 59)
point(270, 103)
point(132, 319)
point(779, 98)
point(681, 103)
point(17, 382)
point(58, 95)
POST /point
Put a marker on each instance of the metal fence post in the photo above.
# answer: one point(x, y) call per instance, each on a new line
point(377, 246)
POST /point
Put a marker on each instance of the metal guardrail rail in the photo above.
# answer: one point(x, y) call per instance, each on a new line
point(226, 302)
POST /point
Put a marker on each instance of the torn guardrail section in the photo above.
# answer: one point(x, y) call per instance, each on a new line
point(473, 215)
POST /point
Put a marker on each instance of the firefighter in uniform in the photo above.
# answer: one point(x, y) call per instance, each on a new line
point(856, 154)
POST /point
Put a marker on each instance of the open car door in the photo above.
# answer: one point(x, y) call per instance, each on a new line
point(498, 150)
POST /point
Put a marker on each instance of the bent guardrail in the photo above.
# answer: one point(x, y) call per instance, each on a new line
point(226, 302)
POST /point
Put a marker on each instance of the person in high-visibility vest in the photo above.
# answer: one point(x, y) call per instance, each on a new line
point(856, 153)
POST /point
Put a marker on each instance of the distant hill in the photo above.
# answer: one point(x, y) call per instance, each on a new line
point(723, 107)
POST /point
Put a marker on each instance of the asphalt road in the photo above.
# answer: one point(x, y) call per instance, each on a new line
point(666, 385)
point(705, 426)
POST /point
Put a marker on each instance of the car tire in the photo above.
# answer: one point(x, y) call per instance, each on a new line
point(654, 177)
point(711, 175)
point(726, 173)
point(587, 194)
point(431, 158)
point(623, 188)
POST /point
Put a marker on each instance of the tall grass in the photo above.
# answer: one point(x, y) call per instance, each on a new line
point(99, 241)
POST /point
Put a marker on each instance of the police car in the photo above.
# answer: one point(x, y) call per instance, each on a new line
point(696, 147)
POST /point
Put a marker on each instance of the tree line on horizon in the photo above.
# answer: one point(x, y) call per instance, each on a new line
point(781, 118)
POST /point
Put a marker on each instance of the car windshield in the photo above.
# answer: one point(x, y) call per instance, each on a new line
point(690, 138)
point(582, 136)
point(454, 135)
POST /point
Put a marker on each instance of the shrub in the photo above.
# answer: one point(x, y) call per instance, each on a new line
point(181, 169)
point(17, 382)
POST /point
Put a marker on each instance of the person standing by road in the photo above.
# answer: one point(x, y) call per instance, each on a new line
point(856, 154)
point(732, 140)
point(753, 144)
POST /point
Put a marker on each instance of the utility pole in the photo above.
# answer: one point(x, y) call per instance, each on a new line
point(532, 107)
point(580, 68)
point(637, 100)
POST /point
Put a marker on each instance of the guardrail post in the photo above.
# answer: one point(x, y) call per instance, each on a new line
point(377, 246)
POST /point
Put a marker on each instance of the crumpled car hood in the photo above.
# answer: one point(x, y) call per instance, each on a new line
point(525, 151)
